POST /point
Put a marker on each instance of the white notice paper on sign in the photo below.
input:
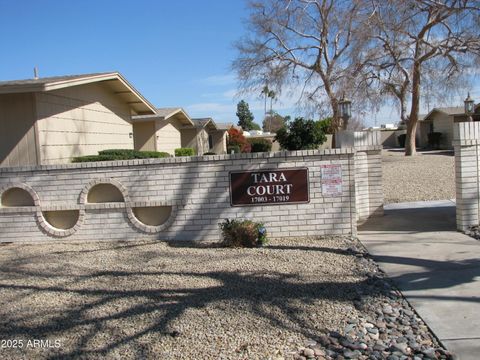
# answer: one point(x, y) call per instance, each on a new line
point(331, 180)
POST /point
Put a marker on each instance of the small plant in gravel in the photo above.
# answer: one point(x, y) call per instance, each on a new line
point(243, 233)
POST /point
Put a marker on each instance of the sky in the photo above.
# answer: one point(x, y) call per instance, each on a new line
point(176, 53)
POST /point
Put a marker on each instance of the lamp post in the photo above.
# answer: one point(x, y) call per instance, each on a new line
point(469, 105)
point(344, 108)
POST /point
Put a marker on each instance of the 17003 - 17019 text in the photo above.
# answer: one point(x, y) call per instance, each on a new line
point(270, 199)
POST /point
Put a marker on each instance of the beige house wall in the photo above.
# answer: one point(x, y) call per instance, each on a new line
point(219, 142)
point(443, 123)
point(18, 145)
point(202, 140)
point(144, 136)
point(168, 136)
point(189, 138)
point(326, 145)
point(423, 129)
point(81, 120)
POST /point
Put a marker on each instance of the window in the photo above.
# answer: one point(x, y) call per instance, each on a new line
point(210, 141)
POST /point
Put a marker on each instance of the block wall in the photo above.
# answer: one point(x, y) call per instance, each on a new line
point(368, 183)
point(467, 173)
point(193, 192)
point(368, 170)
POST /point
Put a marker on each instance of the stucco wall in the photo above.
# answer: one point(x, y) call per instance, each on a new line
point(219, 142)
point(168, 136)
point(443, 123)
point(189, 138)
point(81, 120)
point(144, 136)
point(193, 190)
point(17, 130)
point(202, 139)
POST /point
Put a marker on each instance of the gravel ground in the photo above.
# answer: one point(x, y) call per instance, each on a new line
point(296, 298)
point(427, 176)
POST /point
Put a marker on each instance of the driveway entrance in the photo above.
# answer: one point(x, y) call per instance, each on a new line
point(436, 268)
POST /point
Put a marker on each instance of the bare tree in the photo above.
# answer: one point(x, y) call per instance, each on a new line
point(416, 34)
point(316, 44)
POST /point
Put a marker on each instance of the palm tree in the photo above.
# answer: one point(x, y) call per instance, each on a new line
point(265, 92)
point(272, 95)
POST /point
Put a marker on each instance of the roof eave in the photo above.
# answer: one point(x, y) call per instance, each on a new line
point(145, 105)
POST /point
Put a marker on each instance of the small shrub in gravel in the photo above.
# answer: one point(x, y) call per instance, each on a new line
point(474, 232)
point(243, 233)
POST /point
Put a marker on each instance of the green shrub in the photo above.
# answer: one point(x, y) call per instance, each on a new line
point(92, 158)
point(234, 148)
point(154, 154)
point(434, 139)
point(301, 134)
point(255, 126)
point(327, 126)
point(243, 233)
point(127, 154)
point(210, 153)
point(120, 154)
point(401, 140)
point(260, 145)
point(184, 152)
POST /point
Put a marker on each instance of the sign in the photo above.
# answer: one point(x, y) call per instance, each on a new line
point(331, 180)
point(264, 187)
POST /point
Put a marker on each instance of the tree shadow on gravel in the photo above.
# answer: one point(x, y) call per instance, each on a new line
point(258, 292)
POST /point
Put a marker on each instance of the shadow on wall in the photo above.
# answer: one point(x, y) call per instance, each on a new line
point(17, 112)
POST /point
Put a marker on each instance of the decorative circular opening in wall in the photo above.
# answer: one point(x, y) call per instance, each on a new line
point(151, 219)
point(152, 215)
point(16, 197)
point(62, 220)
point(104, 193)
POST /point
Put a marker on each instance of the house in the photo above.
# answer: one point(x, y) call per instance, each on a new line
point(205, 136)
point(171, 128)
point(257, 134)
point(441, 120)
point(161, 131)
point(53, 119)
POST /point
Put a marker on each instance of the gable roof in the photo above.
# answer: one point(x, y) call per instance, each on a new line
point(168, 112)
point(452, 110)
point(165, 114)
point(204, 122)
point(115, 80)
point(225, 127)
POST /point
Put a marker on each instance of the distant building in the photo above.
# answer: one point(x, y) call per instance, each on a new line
point(441, 120)
point(160, 131)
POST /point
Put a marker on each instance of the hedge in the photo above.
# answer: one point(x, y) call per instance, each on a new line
point(134, 154)
point(184, 152)
point(120, 154)
point(260, 145)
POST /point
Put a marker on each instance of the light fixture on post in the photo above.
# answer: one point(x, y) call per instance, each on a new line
point(469, 105)
point(344, 108)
